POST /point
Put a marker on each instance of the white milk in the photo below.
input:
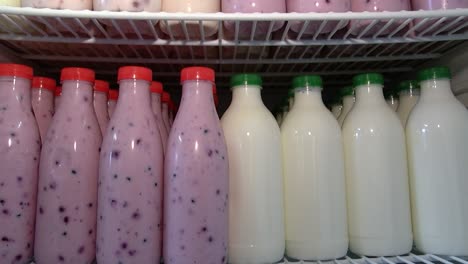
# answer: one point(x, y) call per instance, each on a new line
point(393, 102)
point(376, 174)
point(348, 102)
point(315, 197)
point(256, 215)
point(336, 110)
point(192, 27)
point(437, 132)
point(409, 96)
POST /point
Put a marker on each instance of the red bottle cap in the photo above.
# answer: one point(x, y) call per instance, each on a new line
point(10, 69)
point(58, 91)
point(135, 72)
point(101, 86)
point(113, 95)
point(156, 87)
point(43, 82)
point(197, 73)
point(77, 74)
point(166, 97)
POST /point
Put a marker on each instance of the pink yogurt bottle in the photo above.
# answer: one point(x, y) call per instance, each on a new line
point(377, 6)
point(101, 91)
point(19, 160)
point(156, 105)
point(112, 103)
point(252, 6)
point(68, 175)
point(196, 177)
point(130, 177)
point(317, 6)
point(57, 97)
point(43, 102)
point(437, 5)
point(166, 98)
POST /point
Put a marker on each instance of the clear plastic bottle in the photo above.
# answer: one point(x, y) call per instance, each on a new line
point(176, 28)
point(245, 29)
point(379, 219)
point(68, 176)
point(377, 6)
point(409, 96)
point(101, 90)
point(438, 161)
point(196, 177)
point(315, 193)
point(156, 105)
point(112, 103)
point(256, 213)
point(129, 228)
point(348, 98)
point(42, 100)
point(318, 6)
point(20, 145)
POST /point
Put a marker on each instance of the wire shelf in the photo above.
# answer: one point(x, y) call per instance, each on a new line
point(332, 44)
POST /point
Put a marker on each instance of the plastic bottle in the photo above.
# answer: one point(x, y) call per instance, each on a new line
point(101, 90)
point(379, 218)
point(253, 138)
point(315, 194)
point(68, 176)
point(130, 210)
point(20, 145)
point(166, 98)
point(43, 103)
point(112, 103)
point(156, 106)
point(409, 96)
point(58, 95)
point(196, 177)
point(348, 98)
point(438, 161)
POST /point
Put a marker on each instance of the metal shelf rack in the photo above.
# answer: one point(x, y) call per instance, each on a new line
point(393, 43)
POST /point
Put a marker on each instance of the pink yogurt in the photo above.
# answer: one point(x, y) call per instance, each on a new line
point(377, 6)
point(101, 90)
point(68, 176)
point(318, 6)
point(43, 103)
point(196, 177)
point(20, 148)
point(131, 177)
point(437, 5)
point(156, 93)
point(112, 103)
point(253, 6)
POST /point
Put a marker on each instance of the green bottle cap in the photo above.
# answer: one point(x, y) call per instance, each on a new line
point(408, 85)
point(347, 91)
point(367, 79)
point(434, 73)
point(313, 81)
point(246, 79)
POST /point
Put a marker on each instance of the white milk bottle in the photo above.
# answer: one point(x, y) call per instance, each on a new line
point(438, 161)
point(347, 94)
point(379, 218)
point(391, 99)
point(315, 197)
point(256, 218)
point(409, 96)
point(336, 108)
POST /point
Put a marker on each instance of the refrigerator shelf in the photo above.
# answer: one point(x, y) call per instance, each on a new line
point(391, 42)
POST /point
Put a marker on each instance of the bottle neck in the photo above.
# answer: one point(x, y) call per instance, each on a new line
point(100, 99)
point(246, 95)
point(135, 94)
point(197, 96)
point(370, 94)
point(76, 94)
point(308, 97)
point(17, 90)
point(436, 89)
